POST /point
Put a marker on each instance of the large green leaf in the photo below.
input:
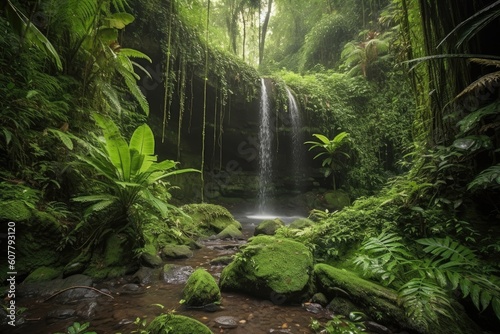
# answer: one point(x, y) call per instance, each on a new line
point(119, 20)
point(116, 146)
point(143, 140)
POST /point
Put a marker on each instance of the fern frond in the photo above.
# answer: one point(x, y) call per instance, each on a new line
point(490, 177)
point(450, 250)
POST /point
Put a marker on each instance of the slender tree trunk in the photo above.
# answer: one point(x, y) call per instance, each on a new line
point(204, 106)
point(264, 30)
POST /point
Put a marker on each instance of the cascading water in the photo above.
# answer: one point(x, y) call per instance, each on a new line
point(297, 138)
point(265, 157)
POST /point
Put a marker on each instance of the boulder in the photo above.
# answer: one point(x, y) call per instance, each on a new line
point(150, 260)
point(268, 226)
point(178, 324)
point(176, 274)
point(176, 251)
point(214, 218)
point(301, 223)
point(336, 200)
point(201, 289)
point(230, 232)
point(42, 274)
point(272, 268)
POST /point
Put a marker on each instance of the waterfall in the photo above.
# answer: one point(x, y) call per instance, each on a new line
point(265, 157)
point(297, 138)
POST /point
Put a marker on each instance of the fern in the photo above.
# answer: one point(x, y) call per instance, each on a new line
point(451, 250)
point(424, 299)
point(488, 178)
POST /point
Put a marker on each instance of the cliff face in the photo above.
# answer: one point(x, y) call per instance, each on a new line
point(229, 114)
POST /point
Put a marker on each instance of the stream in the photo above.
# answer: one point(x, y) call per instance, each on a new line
point(131, 300)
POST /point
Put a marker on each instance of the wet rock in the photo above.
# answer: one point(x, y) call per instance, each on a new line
point(268, 227)
point(226, 322)
point(48, 288)
point(342, 306)
point(146, 275)
point(319, 298)
point(176, 251)
point(59, 314)
point(152, 261)
point(86, 310)
point(374, 327)
point(201, 289)
point(313, 307)
point(176, 274)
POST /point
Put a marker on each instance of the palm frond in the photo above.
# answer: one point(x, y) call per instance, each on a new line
point(486, 81)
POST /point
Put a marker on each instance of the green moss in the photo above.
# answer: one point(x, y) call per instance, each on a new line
point(210, 216)
point(301, 223)
point(269, 226)
point(43, 274)
point(269, 265)
point(336, 200)
point(178, 324)
point(14, 210)
point(176, 251)
point(201, 289)
point(230, 231)
point(381, 303)
point(113, 253)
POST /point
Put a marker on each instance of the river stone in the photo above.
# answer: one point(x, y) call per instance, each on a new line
point(230, 232)
point(59, 314)
point(48, 288)
point(178, 324)
point(226, 322)
point(271, 268)
point(201, 289)
point(86, 310)
point(150, 260)
point(176, 274)
point(268, 226)
point(146, 275)
point(176, 251)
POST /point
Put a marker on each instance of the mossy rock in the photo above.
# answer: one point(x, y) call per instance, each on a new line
point(201, 289)
point(301, 223)
point(382, 303)
point(178, 324)
point(212, 217)
point(336, 199)
point(269, 267)
point(100, 273)
point(150, 260)
point(42, 274)
point(14, 210)
point(230, 232)
point(115, 251)
point(268, 226)
point(176, 251)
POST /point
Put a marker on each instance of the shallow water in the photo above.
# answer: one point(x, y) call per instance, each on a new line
point(117, 315)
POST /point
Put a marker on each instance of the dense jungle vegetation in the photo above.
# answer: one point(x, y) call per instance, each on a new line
point(98, 97)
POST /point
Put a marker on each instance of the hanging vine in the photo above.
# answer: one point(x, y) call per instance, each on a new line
point(166, 98)
point(204, 104)
point(182, 98)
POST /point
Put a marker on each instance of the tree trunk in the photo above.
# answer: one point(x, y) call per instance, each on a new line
point(264, 31)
